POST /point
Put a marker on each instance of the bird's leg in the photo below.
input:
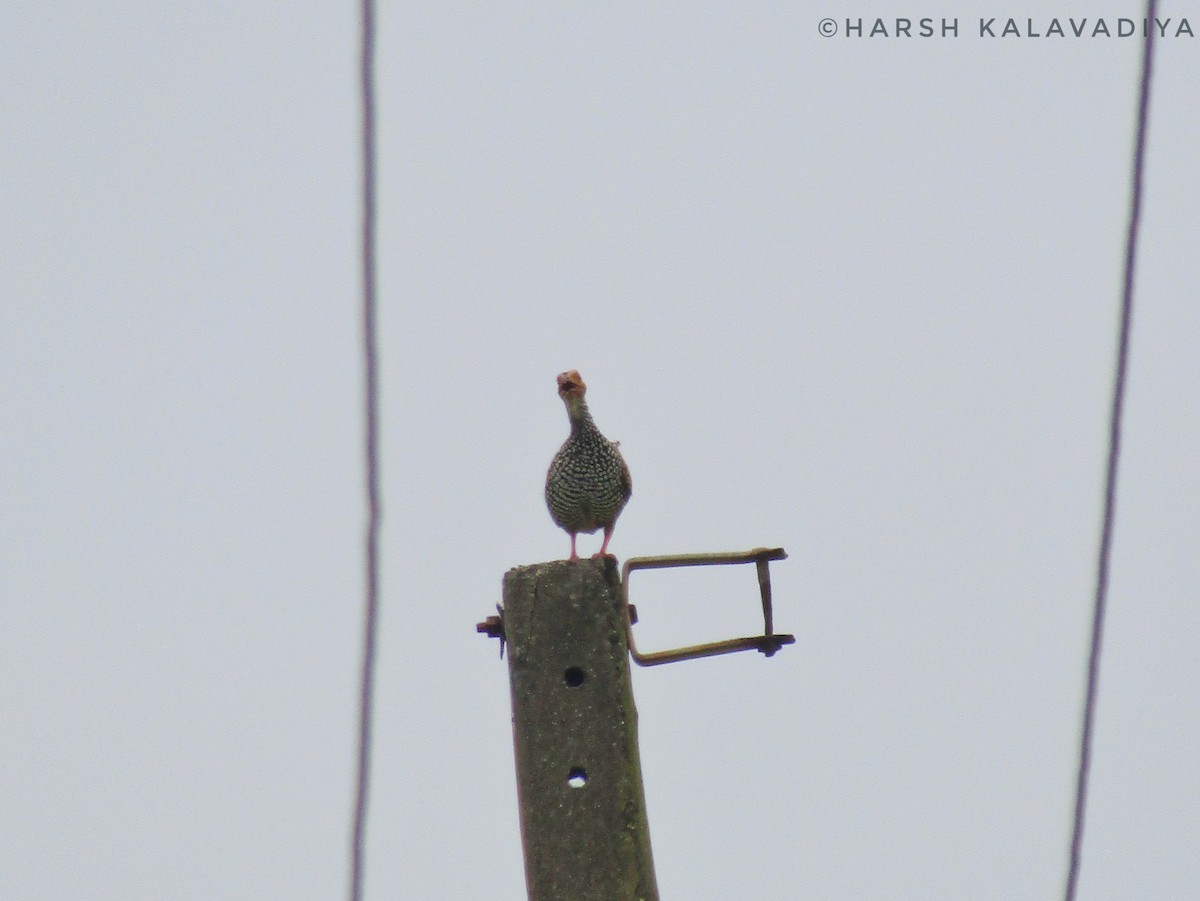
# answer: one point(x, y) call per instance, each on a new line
point(603, 552)
point(574, 556)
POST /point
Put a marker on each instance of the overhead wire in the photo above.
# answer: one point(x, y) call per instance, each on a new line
point(1114, 452)
point(371, 448)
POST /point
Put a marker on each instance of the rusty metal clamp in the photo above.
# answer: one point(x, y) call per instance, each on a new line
point(767, 643)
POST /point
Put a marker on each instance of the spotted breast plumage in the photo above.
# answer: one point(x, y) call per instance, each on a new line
point(588, 484)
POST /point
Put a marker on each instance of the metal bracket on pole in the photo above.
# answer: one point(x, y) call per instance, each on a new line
point(767, 643)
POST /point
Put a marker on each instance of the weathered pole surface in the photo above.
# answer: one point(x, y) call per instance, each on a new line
point(579, 781)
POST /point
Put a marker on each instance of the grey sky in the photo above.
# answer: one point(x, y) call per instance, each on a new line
point(852, 296)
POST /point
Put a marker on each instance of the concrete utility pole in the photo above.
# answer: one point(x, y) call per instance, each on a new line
point(569, 629)
point(583, 811)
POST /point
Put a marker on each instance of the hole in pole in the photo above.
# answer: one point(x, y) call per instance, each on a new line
point(577, 778)
point(574, 676)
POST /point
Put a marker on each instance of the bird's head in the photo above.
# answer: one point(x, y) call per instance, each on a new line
point(571, 389)
point(570, 384)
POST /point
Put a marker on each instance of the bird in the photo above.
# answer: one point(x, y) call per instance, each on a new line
point(588, 483)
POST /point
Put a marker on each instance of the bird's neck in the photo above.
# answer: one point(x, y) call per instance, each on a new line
point(581, 419)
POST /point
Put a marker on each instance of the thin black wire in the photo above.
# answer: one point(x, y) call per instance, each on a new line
point(1114, 450)
point(371, 443)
